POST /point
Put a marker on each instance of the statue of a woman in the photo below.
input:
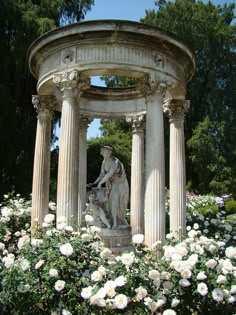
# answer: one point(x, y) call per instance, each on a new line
point(117, 188)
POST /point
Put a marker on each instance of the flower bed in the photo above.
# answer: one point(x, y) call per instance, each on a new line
point(61, 271)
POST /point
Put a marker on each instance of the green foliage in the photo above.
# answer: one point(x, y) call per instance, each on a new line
point(210, 31)
point(118, 81)
point(20, 23)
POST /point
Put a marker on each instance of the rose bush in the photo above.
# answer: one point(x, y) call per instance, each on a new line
point(61, 271)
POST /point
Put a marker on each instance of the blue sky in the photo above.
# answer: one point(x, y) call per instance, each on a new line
point(122, 10)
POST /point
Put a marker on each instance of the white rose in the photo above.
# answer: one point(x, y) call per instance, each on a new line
point(96, 276)
point(175, 302)
point(89, 218)
point(6, 212)
point(184, 283)
point(66, 249)
point(218, 295)
point(61, 226)
point(22, 241)
point(101, 293)
point(202, 288)
point(121, 301)
point(110, 286)
point(138, 238)
point(86, 237)
point(140, 293)
point(2, 246)
point(186, 274)
point(154, 274)
point(102, 270)
point(24, 264)
point(65, 312)
point(230, 252)
point(211, 263)
point(8, 261)
point(39, 264)
point(86, 293)
point(120, 281)
point(127, 259)
point(201, 275)
point(49, 218)
point(59, 285)
point(35, 242)
point(53, 273)
point(196, 226)
point(221, 279)
point(106, 253)
point(169, 312)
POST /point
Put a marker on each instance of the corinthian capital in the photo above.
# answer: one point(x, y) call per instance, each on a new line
point(44, 104)
point(137, 121)
point(85, 121)
point(71, 81)
point(176, 109)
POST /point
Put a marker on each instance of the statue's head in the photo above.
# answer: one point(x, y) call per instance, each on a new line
point(106, 150)
point(91, 195)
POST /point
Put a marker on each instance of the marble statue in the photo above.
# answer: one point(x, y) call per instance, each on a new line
point(113, 175)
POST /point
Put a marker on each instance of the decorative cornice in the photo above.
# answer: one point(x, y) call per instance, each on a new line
point(137, 121)
point(70, 82)
point(44, 104)
point(176, 109)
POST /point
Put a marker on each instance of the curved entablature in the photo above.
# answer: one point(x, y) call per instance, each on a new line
point(111, 47)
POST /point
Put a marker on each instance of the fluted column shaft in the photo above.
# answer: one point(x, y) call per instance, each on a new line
point(68, 164)
point(137, 175)
point(84, 122)
point(41, 173)
point(176, 109)
point(155, 166)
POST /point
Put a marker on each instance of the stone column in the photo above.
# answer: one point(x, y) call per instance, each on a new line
point(41, 174)
point(176, 110)
point(84, 122)
point(137, 175)
point(155, 164)
point(70, 84)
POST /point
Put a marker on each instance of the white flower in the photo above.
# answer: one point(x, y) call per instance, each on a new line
point(175, 302)
point(184, 283)
point(127, 258)
point(86, 293)
point(61, 226)
point(35, 242)
point(152, 305)
point(96, 276)
point(61, 219)
point(8, 261)
point(69, 228)
point(221, 279)
point(110, 286)
point(230, 252)
point(120, 281)
point(202, 288)
point(94, 229)
point(154, 274)
point(23, 288)
point(53, 273)
point(101, 293)
point(49, 218)
point(138, 238)
point(160, 303)
point(218, 295)
point(59, 285)
point(39, 264)
point(95, 300)
point(86, 237)
point(66, 249)
point(169, 312)
point(140, 293)
point(65, 312)
point(233, 289)
point(227, 266)
point(24, 264)
point(186, 274)
point(102, 270)
point(168, 285)
point(196, 226)
point(6, 212)
point(106, 253)
point(23, 240)
point(201, 275)
point(52, 206)
point(2, 246)
point(121, 301)
point(211, 263)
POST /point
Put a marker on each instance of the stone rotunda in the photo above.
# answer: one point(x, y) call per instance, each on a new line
point(63, 61)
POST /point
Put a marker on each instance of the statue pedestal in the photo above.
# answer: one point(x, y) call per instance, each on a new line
point(117, 240)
